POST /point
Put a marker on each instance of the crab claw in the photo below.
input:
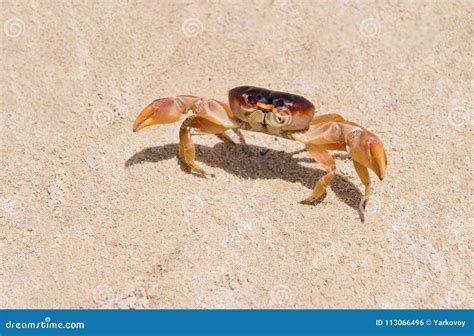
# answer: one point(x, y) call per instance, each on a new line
point(379, 159)
point(163, 111)
point(367, 149)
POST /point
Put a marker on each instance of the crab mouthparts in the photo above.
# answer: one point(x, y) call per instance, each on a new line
point(264, 106)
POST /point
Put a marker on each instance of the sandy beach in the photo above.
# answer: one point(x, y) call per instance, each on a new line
point(93, 215)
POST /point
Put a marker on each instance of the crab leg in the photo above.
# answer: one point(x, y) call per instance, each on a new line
point(324, 158)
point(187, 150)
point(364, 176)
point(320, 138)
point(322, 118)
point(210, 117)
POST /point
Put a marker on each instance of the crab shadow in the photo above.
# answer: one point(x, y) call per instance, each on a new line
point(255, 162)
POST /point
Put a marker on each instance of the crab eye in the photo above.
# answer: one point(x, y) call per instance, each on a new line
point(278, 103)
point(252, 99)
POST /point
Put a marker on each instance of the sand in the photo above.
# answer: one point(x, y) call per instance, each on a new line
point(93, 215)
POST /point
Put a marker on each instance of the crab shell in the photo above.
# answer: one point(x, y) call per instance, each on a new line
point(265, 109)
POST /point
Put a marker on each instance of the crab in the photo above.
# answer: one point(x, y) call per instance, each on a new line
point(280, 114)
